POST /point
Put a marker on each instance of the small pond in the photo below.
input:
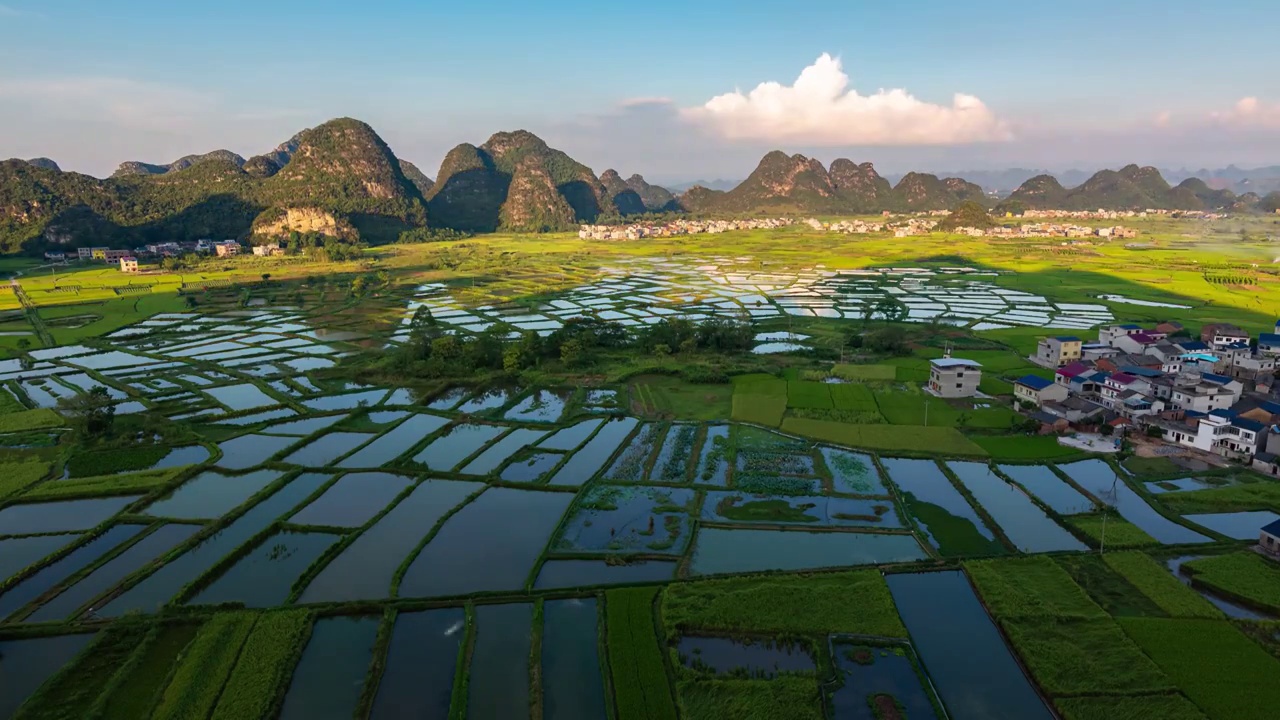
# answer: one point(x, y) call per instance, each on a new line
point(329, 678)
point(572, 686)
point(615, 519)
point(544, 406)
point(497, 453)
point(1245, 525)
point(818, 511)
point(421, 662)
point(853, 473)
point(672, 462)
point(448, 399)
point(211, 495)
point(17, 554)
point(1023, 522)
point(952, 632)
point(73, 562)
point(112, 572)
point(722, 656)
point(532, 468)
point(178, 457)
point(486, 400)
point(322, 451)
point(868, 671)
point(160, 586)
point(395, 443)
point(572, 436)
point(719, 550)
point(1053, 491)
point(587, 573)
point(936, 504)
point(459, 443)
point(1229, 608)
point(60, 517)
point(498, 687)
point(365, 568)
point(1099, 479)
point(25, 665)
point(264, 577)
point(447, 565)
point(587, 462)
point(302, 428)
point(245, 396)
point(713, 459)
point(349, 401)
point(249, 451)
point(353, 500)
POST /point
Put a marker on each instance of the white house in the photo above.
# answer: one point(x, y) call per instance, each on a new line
point(1269, 343)
point(954, 377)
point(1269, 539)
point(1037, 390)
point(1109, 333)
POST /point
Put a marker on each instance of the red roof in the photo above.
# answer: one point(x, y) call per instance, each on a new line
point(1074, 369)
point(1123, 378)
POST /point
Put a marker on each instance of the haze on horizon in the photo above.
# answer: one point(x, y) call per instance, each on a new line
point(672, 92)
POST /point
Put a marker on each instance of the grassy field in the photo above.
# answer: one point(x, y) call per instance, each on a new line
point(265, 663)
point(204, 668)
point(1161, 586)
point(74, 690)
point(1030, 587)
point(675, 398)
point(1083, 657)
point(1244, 575)
point(1022, 448)
point(640, 684)
point(147, 674)
point(1262, 495)
point(889, 438)
point(780, 698)
point(126, 484)
point(17, 476)
point(29, 420)
point(1215, 666)
point(1145, 707)
point(1119, 533)
point(865, 373)
point(1108, 588)
point(849, 602)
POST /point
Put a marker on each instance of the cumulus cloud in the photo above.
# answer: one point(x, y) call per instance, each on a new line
point(642, 101)
point(821, 109)
point(1250, 112)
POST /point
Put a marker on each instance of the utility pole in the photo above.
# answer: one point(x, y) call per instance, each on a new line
point(926, 412)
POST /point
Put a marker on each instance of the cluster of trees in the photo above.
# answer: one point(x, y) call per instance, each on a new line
point(427, 235)
point(434, 350)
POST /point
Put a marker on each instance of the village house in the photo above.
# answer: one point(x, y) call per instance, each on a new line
point(129, 264)
point(1206, 395)
point(226, 248)
point(1037, 390)
point(1220, 432)
point(1110, 333)
point(1074, 409)
point(1170, 328)
point(1269, 538)
point(268, 250)
point(1219, 335)
point(1269, 344)
point(1055, 352)
point(55, 256)
point(1137, 343)
point(1096, 351)
point(1065, 374)
point(954, 377)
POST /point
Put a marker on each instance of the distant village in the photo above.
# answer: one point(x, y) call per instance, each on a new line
point(898, 225)
point(1213, 394)
point(128, 259)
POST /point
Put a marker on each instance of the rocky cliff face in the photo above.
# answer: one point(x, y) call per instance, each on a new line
point(533, 203)
point(128, 169)
point(922, 191)
point(469, 191)
point(417, 177)
point(654, 197)
point(279, 223)
point(782, 183)
point(860, 187)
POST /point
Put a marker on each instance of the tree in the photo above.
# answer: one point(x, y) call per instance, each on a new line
point(573, 353)
point(91, 414)
point(889, 340)
point(889, 308)
point(23, 343)
point(661, 350)
point(266, 277)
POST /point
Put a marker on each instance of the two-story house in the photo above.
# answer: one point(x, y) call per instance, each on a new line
point(1058, 351)
point(954, 377)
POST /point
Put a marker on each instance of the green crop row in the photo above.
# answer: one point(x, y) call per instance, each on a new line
point(855, 602)
point(30, 420)
point(641, 688)
point(884, 373)
point(853, 398)
point(900, 438)
point(1161, 586)
point(146, 674)
point(1219, 669)
point(761, 409)
point(1244, 575)
point(1118, 532)
point(204, 668)
point(265, 662)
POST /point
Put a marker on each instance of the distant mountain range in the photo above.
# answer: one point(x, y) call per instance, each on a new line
point(341, 179)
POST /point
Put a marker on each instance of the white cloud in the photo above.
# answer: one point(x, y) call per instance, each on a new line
point(129, 103)
point(642, 101)
point(1250, 112)
point(821, 109)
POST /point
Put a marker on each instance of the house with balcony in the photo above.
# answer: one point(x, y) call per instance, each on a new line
point(1055, 352)
point(954, 377)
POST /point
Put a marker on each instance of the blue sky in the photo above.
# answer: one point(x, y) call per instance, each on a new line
point(1081, 84)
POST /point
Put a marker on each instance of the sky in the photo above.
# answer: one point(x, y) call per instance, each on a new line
point(695, 89)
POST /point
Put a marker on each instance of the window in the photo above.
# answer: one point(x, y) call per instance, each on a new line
point(959, 386)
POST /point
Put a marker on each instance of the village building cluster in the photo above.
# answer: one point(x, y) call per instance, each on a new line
point(1101, 214)
point(1050, 230)
point(128, 259)
point(1214, 393)
point(636, 231)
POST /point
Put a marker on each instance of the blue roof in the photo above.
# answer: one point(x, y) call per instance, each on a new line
point(1269, 338)
point(1237, 346)
point(1033, 382)
point(1130, 326)
point(1247, 424)
point(1141, 371)
point(1067, 338)
point(1272, 529)
point(1191, 345)
point(1216, 379)
point(955, 362)
point(1222, 413)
